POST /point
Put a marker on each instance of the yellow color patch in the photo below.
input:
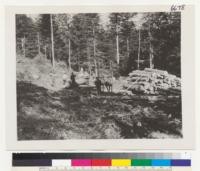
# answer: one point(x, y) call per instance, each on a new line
point(121, 162)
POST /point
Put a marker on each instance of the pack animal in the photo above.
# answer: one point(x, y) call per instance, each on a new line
point(107, 84)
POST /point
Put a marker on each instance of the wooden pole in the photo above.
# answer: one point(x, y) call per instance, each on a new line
point(138, 61)
point(52, 41)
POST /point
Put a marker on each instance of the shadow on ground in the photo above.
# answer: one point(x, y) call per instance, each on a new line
point(80, 114)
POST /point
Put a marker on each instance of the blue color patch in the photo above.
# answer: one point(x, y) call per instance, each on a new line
point(180, 162)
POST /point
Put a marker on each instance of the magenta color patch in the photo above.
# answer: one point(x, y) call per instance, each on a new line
point(81, 162)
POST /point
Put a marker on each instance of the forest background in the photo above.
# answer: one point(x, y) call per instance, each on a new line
point(112, 44)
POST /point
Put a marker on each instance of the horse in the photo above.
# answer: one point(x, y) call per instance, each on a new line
point(106, 84)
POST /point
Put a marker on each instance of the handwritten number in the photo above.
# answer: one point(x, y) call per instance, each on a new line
point(175, 8)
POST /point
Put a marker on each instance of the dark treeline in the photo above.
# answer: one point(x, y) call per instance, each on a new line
point(115, 44)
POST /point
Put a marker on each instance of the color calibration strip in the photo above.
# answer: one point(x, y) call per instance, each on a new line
point(104, 162)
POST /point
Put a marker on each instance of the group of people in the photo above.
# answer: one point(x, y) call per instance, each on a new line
point(100, 84)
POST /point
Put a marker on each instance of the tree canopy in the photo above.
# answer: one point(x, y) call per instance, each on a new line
point(124, 42)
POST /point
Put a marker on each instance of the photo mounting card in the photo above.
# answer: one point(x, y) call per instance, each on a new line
point(100, 78)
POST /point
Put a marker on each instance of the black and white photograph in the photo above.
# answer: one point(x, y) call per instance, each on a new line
point(98, 75)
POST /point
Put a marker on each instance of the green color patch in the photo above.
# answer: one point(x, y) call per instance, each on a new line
point(139, 162)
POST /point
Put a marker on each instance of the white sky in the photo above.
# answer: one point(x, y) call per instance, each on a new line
point(104, 19)
point(137, 19)
point(33, 16)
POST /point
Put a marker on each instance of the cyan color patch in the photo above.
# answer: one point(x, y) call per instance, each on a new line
point(161, 162)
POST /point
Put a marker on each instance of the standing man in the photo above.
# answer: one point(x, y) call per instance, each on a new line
point(98, 85)
point(52, 76)
point(73, 83)
point(64, 77)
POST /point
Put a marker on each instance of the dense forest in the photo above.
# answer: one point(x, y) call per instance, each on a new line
point(114, 43)
point(98, 76)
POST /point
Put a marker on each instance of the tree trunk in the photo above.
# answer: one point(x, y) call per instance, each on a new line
point(94, 51)
point(45, 51)
point(89, 61)
point(96, 68)
point(52, 42)
point(24, 46)
point(111, 69)
point(138, 61)
point(77, 63)
point(38, 36)
point(152, 64)
point(151, 56)
point(128, 50)
point(150, 49)
point(69, 58)
point(117, 45)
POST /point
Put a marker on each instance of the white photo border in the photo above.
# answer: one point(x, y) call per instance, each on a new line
point(187, 72)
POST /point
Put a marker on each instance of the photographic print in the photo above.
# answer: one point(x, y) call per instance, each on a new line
point(98, 75)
